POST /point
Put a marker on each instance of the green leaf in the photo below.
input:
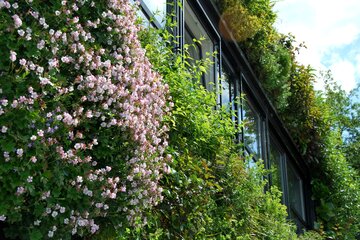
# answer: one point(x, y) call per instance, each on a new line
point(7, 145)
point(36, 235)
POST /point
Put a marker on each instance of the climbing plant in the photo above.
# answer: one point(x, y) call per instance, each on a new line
point(81, 115)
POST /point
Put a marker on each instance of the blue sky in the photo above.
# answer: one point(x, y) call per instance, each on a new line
point(331, 32)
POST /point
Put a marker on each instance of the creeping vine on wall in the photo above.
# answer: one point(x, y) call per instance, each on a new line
point(81, 117)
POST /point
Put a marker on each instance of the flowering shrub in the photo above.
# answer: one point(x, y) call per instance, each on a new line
point(81, 111)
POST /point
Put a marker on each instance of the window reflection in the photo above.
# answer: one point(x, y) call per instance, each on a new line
point(145, 21)
point(227, 89)
point(275, 166)
point(252, 161)
point(158, 8)
point(194, 49)
point(195, 30)
point(251, 129)
point(295, 191)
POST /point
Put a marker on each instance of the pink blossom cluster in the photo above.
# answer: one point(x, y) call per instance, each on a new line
point(114, 88)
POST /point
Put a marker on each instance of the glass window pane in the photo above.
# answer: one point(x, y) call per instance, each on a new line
point(233, 105)
point(251, 161)
point(195, 30)
point(295, 189)
point(275, 166)
point(158, 8)
point(194, 48)
point(145, 21)
point(226, 86)
point(251, 129)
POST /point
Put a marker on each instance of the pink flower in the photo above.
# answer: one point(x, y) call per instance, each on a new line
point(17, 21)
point(62, 209)
point(41, 44)
point(21, 32)
point(42, 21)
point(20, 190)
point(33, 159)
point(94, 228)
point(54, 213)
point(44, 196)
point(79, 179)
point(53, 63)
point(22, 62)
point(19, 152)
point(40, 69)
point(40, 133)
point(66, 59)
point(44, 81)
point(13, 56)
point(112, 195)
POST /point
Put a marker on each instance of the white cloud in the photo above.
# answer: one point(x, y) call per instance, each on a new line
point(344, 73)
point(358, 64)
point(324, 25)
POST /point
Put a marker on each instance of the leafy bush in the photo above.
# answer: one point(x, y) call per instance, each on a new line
point(210, 193)
point(311, 235)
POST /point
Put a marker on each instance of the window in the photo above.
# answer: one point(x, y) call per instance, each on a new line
point(251, 129)
point(225, 82)
point(195, 51)
point(295, 196)
point(157, 9)
point(227, 88)
point(276, 157)
point(195, 30)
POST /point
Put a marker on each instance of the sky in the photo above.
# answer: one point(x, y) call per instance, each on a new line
point(331, 32)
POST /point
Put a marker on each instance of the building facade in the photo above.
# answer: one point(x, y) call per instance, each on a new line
point(230, 75)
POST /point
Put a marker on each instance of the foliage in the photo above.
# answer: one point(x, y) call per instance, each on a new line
point(210, 193)
point(272, 56)
point(318, 121)
point(311, 235)
point(339, 197)
point(339, 207)
point(82, 139)
point(322, 117)
point(269, 52)
point(85, 127)
point(244, 19)
point(346, 117)
point(304, 112)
